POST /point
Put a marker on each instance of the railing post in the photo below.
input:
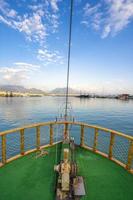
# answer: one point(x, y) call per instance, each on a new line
point(112, 139)
point(130, 156)
point(51, 134)
point(95, 140)
point(38, 137)
point(3, 149)
point(22, 141)
point(82, 136)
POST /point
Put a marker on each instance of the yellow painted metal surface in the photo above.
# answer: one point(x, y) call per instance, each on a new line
point(81, 126)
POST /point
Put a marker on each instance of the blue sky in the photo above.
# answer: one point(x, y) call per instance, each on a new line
point(34, 43)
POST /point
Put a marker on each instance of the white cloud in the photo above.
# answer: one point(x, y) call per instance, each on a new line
point(54, 5)
point(28, 66)
point(12, 13)
point(120, 15)
point(32, 26)
point(55, 22)
point(5, 21)
point(37, 23)
point(109, 16)
point(4, 8)
point(89, 10)
point(85, 22)
point(17, 73)
point(49, 57)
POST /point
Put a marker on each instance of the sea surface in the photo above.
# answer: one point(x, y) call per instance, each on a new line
point(110, 113)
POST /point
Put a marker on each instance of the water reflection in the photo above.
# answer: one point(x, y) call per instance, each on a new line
point(111, 113)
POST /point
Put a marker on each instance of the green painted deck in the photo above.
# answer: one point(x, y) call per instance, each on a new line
point(29, 178)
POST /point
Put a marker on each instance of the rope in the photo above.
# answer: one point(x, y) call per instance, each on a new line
point(69, 57)
point(68, 71)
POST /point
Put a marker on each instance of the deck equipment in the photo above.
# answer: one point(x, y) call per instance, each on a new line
point(70, 186)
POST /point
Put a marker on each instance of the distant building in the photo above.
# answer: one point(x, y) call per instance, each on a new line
point(11, 94)
point(6, 94)
point(123, 96)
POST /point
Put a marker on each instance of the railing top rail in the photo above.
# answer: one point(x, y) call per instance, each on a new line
point(67, 122)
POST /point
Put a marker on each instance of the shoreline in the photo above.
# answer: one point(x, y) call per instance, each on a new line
point(63, 95)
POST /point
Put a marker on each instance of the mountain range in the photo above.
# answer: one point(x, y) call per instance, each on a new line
point(22, 89)
point(63, 91)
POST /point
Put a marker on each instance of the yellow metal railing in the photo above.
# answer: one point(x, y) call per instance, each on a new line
point(114, 141)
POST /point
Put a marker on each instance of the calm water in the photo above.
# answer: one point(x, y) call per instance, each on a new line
point(110, 113)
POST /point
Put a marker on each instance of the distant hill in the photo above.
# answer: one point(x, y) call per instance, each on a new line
point(35, 91)
point(63, 91)
point(13, 88)
point(21, 89)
